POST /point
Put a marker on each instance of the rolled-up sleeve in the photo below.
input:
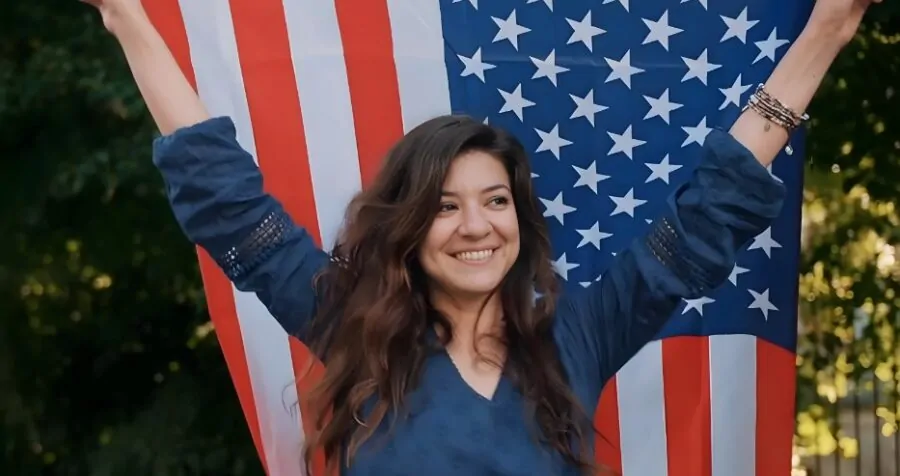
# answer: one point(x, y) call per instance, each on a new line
point(216, 193)
point(689, 251)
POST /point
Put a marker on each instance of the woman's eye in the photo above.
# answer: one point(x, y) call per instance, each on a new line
point(446, 207)
point(499, 201)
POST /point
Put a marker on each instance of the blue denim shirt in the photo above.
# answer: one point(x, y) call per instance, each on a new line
point(216, 193)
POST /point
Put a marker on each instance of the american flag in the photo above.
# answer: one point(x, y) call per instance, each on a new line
point(612, 98)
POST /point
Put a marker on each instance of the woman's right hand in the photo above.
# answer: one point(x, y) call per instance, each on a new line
point(112, 11)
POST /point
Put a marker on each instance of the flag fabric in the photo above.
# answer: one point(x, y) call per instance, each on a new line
point(613, 99)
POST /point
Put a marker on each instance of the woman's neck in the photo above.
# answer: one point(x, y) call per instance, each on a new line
point(471, 318)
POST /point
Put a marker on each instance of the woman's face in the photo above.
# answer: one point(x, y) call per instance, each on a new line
point(474, 239)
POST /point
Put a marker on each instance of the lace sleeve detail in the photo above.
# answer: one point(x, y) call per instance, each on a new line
point(665, 244)
point(263, 241)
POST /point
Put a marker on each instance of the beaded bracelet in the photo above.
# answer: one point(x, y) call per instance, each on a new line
point(775, 112)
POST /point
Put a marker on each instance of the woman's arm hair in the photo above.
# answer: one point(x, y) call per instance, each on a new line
point(799, 74)
point(172, 101)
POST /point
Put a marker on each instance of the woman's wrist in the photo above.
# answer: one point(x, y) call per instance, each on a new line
point(125, 20)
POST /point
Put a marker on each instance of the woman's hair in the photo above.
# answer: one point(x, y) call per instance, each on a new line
point(371, 329)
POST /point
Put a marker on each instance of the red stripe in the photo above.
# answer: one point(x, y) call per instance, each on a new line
point(608, 445)
point(166, 16)
point(775, 389)
point(685, 362)
point(372, 76)
point(267, 68)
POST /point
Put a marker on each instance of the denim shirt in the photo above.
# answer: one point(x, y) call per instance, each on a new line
point(216, 193)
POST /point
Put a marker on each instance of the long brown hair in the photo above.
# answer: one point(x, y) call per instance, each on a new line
point(374, 314)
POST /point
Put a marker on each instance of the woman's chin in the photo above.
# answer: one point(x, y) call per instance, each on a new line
point(475, 288)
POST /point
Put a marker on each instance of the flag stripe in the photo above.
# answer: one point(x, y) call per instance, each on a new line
point(368, 52)
point(642, 415)
point(418, 41)
point(606, 420)
point(322, 86)
point(685, 363)
point(732, 369)
point(278, 126)
point(227, 89)
point(173, 26)
point(775, 391)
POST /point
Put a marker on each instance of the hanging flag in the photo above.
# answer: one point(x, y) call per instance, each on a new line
point(613, 99)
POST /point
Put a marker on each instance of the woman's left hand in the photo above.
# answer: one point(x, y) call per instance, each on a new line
point(840, 18)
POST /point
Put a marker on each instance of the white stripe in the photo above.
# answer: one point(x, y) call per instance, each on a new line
point(324, 92)
point(732, 384)
point(215, 59)
point(418, 38)
point(642, 413)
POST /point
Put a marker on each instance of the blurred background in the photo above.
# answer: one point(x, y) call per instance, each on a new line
point(109, 364)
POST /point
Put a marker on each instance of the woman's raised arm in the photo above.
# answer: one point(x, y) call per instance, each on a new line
point(172, 101)
point(214, 186)
point(730, 198)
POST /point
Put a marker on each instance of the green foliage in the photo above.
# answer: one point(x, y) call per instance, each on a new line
point(849, 287)
point(107, 362)
point(107, 365)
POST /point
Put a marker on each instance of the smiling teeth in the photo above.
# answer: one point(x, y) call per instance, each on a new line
point(474, 255)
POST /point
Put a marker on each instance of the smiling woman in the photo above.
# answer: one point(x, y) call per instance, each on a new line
point(438, 359)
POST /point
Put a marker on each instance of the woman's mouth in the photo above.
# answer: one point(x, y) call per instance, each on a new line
point(478, 256)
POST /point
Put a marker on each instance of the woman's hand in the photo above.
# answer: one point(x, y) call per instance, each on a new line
point(838, 19)
point(113, 11)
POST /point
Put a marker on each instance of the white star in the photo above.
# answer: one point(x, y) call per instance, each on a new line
point(761, 301)
point(702, 2)
point(696, 134)
point(696, 304)
point(584, 31)
point(624, 143)
point(735, 272)
point(661, 106)
point(660, 31)
point(764, 242)
point(547, 68)
point(551, 141)
point(556, 208)
point(585, 107)
point(474, 65)
point(623, 2)
point(589, 177)
point(733, 93)
point(593, 235)
point(473, 2)
point(509, 30)
point(661, 170)
point(626, 204)
point(698, 68)
point(586, 284)
point(514, 102)
point(738, 27)
point(549, 3)
point(562, 267)
point(768, 46)
point(622, 69)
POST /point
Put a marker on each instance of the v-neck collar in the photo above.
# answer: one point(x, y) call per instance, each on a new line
point(452, 371)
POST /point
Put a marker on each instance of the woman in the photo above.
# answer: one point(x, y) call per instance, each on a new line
point(438, 358)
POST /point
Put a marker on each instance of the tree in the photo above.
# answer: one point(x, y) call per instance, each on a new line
point(107, 362)
point(849, 269)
